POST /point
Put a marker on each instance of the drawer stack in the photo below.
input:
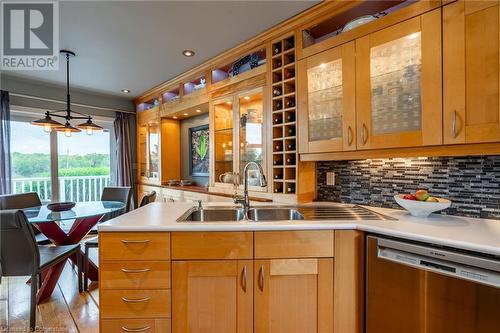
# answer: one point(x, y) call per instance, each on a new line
point(135, 288)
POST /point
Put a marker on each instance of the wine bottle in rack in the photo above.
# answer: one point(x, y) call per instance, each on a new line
point(290, 160)
point(290, 131)
point(277, 48)
point(278, 146)
point(289, 74)
point(290, 146)
point(278, 162)
point(290, 188)
point(290, 117)
point(289, 103)
point(277, 118)
point(278, 105)
point(277, 91)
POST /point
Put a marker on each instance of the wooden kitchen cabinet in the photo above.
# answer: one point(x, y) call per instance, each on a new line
point(398, 85)
point(212, 296)
point(471, 62)
point(148, 146)
point(327, 103)
point(294, 295)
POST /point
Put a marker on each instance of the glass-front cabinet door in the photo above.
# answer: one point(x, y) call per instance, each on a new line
point(327, 101)
point(398, 85)
point(251, 140)
point(223, 141)
point(148, 146)
point(238, 137)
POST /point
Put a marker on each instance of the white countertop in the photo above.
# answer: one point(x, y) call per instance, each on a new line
point(481, 235)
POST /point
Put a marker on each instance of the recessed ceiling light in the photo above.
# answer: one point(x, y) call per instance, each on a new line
point(247, 97)
point(175, 117)
point(198, 111)
point(186, 114)
point(125, 91)
point(229, 102)
point(188, 53)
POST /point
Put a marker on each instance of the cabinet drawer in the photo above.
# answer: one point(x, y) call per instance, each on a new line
point(135, 325)
point(294, 244)
point(133, 274)
point(212, 245)
point(134, 246)
point(134, 304)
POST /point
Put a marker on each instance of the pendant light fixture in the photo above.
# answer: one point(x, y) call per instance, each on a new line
point(50, 124)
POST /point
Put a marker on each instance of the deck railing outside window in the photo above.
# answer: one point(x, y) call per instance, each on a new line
point(74, 188)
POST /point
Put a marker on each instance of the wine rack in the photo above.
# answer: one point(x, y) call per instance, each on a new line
point(284, 117)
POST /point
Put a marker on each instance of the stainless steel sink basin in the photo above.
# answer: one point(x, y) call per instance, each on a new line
point(274, 214)
point(212, 215)
point(280, 213)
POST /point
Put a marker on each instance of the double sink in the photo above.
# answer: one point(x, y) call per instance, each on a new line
point(280, 213)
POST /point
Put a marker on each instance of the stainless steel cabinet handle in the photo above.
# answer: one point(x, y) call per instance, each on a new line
point(364, 134)
point(135, 300)
point(141, 329)
point(142, 270)
point(454, 124)
point(125, 241)
point(349, 135)
point(244, 279)
point(261, 278)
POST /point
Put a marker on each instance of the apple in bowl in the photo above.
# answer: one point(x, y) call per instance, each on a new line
point(421, 204)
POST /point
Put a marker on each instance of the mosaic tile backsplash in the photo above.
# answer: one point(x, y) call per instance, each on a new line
point(471, 183)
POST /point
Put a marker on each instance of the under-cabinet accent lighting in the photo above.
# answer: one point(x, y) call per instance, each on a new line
point(322, 65)
point(188, 53)
point(246, 97)
point(175, 117)
point(229, 102)
point(198, 111)
point(186, 114)
point(125, 91)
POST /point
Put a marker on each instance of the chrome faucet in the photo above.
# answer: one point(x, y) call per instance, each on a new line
point(245, 201)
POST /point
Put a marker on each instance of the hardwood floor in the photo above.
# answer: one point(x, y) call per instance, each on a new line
point(66, 311)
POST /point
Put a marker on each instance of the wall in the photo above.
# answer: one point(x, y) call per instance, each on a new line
point(185, 126)
point(471, 183)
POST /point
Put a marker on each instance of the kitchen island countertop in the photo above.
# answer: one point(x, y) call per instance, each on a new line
point(480, 235)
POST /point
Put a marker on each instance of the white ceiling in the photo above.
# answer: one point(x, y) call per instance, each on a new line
point(138, 44)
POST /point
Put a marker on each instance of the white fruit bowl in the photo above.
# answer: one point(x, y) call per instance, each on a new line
point(421, 208)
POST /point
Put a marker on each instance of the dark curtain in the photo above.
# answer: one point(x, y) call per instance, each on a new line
point(123, 155)
point(5, 171)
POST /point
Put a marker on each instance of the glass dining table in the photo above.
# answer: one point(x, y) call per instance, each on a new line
point(83, 217)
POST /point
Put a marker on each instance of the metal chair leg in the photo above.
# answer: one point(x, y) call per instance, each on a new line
point(79, 269)
point(34, 288)
point(86, 269)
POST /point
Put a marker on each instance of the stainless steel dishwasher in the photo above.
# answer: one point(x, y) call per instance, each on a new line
point(418, 287)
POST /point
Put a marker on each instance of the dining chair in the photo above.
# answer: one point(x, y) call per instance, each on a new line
point(21, 201)
point(94, 242)
point(148, 198)
point(21, 256)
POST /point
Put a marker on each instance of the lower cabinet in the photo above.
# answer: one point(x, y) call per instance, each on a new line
point(212, 296)
point(293, 295)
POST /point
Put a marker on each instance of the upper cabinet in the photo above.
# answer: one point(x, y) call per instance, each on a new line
point(327, 101)
point(398, 84)
point(471, 57)
point(148, 146)
point(238, 137)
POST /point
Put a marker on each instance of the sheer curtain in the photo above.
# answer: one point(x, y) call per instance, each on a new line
point(123, 155)
point(5, 172)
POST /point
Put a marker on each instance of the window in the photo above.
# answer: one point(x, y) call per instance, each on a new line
point(30, 159)
point(57, 167)
point(83, 165)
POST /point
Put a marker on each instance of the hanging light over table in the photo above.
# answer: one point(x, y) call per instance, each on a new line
point(50, 124)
